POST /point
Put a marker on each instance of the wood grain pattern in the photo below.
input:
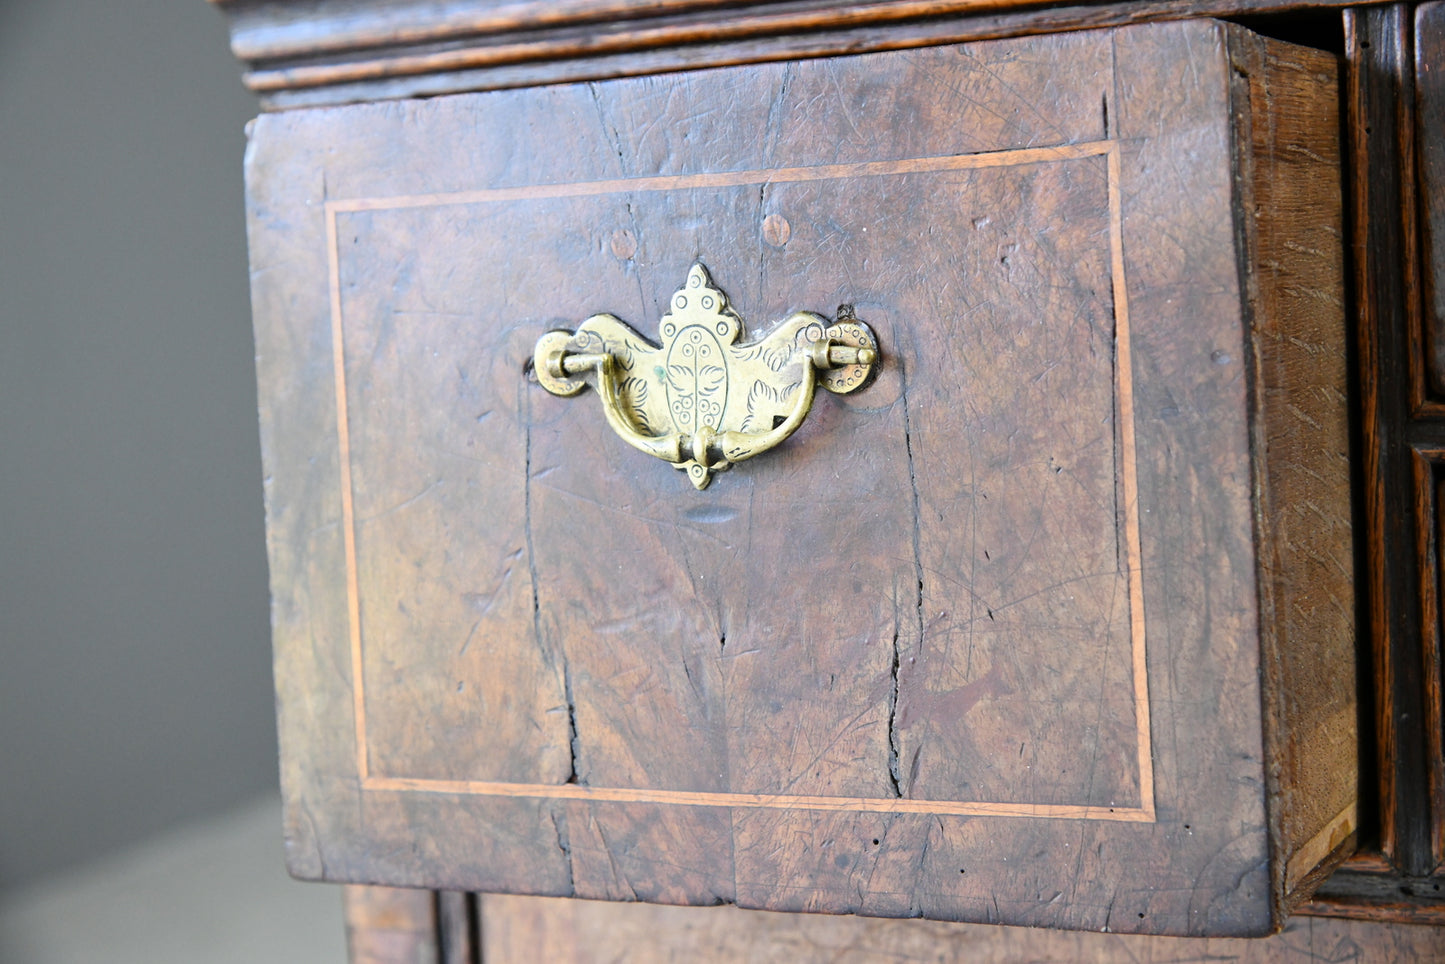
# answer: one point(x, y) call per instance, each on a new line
point(1402, 443)
point(1429, 465)
point(388, 925)
point(1429, 118)
point(1378, 72)
point(1379, 894)
point(948, 652)
point(385, 925)
point(1400, 433)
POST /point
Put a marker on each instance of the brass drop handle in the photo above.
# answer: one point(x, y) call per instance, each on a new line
point(665, 447)
point(700, 401)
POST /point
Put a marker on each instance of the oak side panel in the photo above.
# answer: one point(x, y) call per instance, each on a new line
point(1292, 266)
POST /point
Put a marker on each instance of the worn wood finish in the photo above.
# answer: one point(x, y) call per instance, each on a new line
point(1434, 655)
point(459, 934)
point(345, 52)
point(523, 929)
point(386, 925)
point(1378, 70)
point(1430, 145)
point(1396, 877)
point(335, 35)
point(1429, 467)
point(389, 925)
point(950, 651)
point(1379, 895)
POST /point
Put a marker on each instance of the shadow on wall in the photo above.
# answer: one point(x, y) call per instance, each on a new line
point(134, 651)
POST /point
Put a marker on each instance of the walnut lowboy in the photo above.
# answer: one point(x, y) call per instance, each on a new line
point(701, 401)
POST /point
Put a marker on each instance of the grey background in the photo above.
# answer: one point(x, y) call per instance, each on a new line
point(135, 687)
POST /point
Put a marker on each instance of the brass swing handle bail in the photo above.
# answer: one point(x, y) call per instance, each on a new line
point(824, 354)
point(707, 448)
point(700, 401)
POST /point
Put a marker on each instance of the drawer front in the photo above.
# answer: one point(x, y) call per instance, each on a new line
point(981, 641)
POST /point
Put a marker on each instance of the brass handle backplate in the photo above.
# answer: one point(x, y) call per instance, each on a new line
point(701, 400)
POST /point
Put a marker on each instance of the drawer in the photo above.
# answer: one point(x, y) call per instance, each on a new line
point(1049, 621)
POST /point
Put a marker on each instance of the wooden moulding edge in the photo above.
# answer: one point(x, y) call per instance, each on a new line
point(363, 56)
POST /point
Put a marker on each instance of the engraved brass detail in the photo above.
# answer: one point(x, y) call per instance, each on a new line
point(700, 400)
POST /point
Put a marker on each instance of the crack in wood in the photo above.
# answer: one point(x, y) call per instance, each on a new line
point(572, 741)
point(894, 749)
point(564, 844)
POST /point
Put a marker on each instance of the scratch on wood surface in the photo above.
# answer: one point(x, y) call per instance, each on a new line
point(617, 874)
point(466, 643)
point(403, 503)
point(762, 245)
point(314, 838)
point(1303, 416)
point(801, 773)
point(773, 127)
point(609, 131)
point(634, 515)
